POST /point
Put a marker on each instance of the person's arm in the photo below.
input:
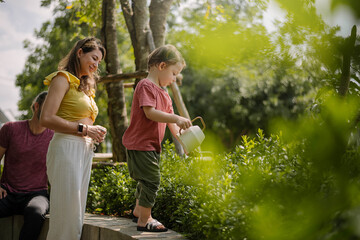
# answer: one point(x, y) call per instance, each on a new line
point(160, 116)
point(57, 90)
point(174, 129)
point(2, 191)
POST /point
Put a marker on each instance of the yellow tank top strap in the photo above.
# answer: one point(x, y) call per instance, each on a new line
point(72, 80)
point(75, 105)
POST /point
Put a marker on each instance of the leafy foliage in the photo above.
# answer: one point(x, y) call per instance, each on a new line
point(299, 184)
point(111, 191)
point(200, 197)
point(239, 75)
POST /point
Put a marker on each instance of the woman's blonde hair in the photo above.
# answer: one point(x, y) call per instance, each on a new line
point(167, 54)
point(71, 62)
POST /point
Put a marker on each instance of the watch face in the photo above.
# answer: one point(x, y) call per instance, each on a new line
point(80, 127)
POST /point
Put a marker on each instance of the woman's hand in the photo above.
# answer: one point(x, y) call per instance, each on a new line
point(97, 133)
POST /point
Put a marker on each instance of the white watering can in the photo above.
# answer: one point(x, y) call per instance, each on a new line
point(192, 137)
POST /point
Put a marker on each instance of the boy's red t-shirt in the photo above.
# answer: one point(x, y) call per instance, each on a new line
point(25, 157)
point(144, 134)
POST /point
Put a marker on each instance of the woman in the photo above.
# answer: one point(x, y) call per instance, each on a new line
point(70, 110)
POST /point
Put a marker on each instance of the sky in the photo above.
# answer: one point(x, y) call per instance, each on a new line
point(19, 19)
point(341, 16)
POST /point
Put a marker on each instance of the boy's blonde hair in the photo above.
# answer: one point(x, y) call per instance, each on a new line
point(167, 54)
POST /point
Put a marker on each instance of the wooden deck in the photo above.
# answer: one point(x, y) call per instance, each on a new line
point(96, 227)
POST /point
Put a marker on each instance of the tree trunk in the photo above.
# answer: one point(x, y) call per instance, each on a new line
point(137, 21)
point(348, 50)
point(115, 91)
point(159, 9)
point(128, 16)
point(141, 23)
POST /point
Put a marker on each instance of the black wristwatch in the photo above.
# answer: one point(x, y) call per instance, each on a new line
point(80, 128)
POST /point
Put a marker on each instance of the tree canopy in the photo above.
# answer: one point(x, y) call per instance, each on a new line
point(239, 75)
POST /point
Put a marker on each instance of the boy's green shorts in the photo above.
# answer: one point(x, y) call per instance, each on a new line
point(144, 167)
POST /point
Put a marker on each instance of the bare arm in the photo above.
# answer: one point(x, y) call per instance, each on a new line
point(2, 191)
point(160, 116)
point(174, 129)
point(57, 90)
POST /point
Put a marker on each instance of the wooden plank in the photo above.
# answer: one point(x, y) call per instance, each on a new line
point(102, 156)
point(17, 225)
point(6, 232)
point(90, 232)
point(122, 76)
point(95, 227)
point(129, 85)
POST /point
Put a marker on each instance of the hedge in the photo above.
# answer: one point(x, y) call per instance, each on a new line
point(302, 183)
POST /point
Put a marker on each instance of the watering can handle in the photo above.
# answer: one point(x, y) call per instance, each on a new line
point(202, 121)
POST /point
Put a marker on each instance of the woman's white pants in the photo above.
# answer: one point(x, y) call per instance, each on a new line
point(68, 164)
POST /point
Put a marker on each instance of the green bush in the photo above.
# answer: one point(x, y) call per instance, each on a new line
point(302, 183)
point(201, 198)
point(111, 191)
point(215, 199)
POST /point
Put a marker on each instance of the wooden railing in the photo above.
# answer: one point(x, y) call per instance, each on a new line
point(104, 159)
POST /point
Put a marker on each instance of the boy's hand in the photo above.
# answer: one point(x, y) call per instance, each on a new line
point(183, 123)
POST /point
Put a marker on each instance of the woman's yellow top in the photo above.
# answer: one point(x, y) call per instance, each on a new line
point(76, 104)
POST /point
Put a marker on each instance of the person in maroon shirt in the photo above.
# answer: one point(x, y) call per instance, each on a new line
point(24, 184)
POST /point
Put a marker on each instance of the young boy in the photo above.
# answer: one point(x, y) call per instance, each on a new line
point(151, 110)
